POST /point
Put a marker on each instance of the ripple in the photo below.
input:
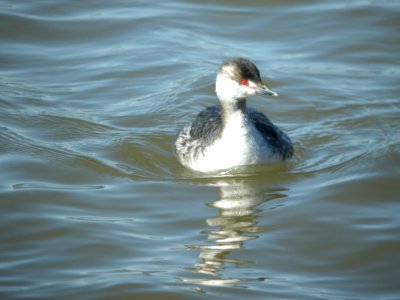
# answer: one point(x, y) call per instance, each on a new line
point(94, 203)
point(47, 186)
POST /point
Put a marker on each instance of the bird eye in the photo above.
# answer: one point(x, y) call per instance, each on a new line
point(243, 82)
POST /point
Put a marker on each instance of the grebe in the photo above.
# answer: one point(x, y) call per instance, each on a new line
point(231, 134)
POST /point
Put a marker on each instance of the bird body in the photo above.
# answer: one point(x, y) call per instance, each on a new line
point(231, 134)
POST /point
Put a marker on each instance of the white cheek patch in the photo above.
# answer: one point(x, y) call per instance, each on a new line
point(245, 91)
point(226, 88)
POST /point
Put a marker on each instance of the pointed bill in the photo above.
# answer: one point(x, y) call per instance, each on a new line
point(266, 91)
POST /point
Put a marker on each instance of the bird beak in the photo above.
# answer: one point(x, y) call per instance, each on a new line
point(266, 91)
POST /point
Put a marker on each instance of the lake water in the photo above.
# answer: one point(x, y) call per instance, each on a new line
point(93, 202)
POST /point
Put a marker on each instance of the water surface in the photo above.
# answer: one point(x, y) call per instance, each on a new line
point(94, 204)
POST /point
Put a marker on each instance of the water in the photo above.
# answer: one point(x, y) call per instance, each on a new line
point(94, 204)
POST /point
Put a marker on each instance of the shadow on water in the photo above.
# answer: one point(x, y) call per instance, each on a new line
point(234, 226)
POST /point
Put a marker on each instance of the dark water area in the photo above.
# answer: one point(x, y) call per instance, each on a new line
point(94, 204)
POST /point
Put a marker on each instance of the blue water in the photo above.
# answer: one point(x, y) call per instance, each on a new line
point(94, 204)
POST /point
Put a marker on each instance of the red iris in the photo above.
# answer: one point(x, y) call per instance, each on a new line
point(244, 82)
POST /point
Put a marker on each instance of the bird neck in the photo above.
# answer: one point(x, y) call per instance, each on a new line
point(232, 109)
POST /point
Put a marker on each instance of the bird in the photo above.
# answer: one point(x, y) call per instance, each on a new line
point(231, 134)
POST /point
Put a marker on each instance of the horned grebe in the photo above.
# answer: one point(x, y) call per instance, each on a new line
point(230, 134)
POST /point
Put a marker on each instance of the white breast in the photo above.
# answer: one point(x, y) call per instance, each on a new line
point(240, 144)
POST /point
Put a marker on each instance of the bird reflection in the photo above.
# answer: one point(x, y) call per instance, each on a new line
point(235, 224)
